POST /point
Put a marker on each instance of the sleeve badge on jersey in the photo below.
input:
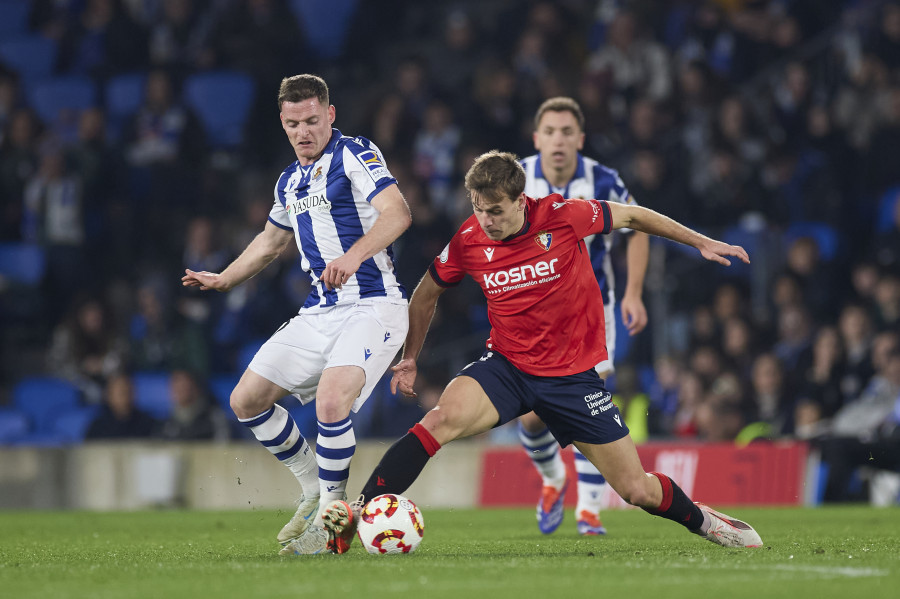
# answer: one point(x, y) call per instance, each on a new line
point(544, 239)
point(372, 161)
point(445, 254)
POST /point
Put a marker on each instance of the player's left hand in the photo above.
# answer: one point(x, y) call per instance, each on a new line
point(404, 377)
point(634, 314)
point(717, 250)
point(339, 271)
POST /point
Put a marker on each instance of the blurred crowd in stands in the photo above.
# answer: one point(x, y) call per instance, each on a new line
point(770, 123)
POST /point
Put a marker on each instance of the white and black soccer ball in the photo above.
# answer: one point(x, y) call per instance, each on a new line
point(390, 524)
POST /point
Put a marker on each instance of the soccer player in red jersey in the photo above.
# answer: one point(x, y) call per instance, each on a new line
point(546, 336)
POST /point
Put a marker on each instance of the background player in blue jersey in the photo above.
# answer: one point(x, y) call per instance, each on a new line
point(542, 349)
point(560, 168)
point(342, 207)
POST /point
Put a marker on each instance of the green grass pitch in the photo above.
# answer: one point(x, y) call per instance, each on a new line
point(844, 552)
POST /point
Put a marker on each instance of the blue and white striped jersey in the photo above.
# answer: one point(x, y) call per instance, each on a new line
point(592, 180)
point(327, 205)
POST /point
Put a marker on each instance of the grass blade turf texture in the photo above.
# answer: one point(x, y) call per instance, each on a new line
point(841, 552)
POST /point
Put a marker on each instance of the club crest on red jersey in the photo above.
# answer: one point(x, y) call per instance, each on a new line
point(544, 239)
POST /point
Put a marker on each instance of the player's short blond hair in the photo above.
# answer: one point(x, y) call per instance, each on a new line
point(559, 104)
point(495, 176)
point(302, 87)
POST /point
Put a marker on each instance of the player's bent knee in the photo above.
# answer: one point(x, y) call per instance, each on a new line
point(245, 405)
point(238, 403)
point(443, 424)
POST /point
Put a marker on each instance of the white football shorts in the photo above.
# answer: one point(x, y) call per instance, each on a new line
point(365, 334)
point(606, 367)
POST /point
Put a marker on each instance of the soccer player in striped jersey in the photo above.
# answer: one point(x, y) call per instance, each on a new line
point(530, 259)
point(559, 167)
point(342, 207)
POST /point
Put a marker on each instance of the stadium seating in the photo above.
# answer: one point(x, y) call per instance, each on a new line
point(246, 353)
point(222, 101)
point(42, 399)
point(825, 236)
point(13, 17)
point(152, 394)
point(326, 30)
point(751, 240)
point(22, 263)
point(304, 416)
point(33, 57)
point(221, 387)
point(647, 378)
point(123, 96)
point(13, 426)
point(71, 425)
point(887, 205)
point(53, 97)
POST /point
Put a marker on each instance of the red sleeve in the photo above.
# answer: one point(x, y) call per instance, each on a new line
point(447, 269)
point(588, 217)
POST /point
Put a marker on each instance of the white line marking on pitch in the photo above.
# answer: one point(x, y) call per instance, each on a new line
point(820, 570)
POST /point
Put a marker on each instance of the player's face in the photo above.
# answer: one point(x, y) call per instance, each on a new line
point(499, 220)
point(558, 138)
point(308, 127)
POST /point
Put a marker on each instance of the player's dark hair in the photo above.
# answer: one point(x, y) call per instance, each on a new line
point(496, 175)
point(559, 104)
point(303, 87)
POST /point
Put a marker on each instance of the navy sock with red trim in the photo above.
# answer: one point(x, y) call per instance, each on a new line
point(676, 505)
point(402, 463)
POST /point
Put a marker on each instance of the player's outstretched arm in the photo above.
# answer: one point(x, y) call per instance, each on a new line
point(393, 219)
point(264, 248)
point(654, 223)
point(421, 311)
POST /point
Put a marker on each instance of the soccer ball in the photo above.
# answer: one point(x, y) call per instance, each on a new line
point(390, 524)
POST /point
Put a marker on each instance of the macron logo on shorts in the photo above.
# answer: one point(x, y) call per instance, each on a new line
point(368, 353)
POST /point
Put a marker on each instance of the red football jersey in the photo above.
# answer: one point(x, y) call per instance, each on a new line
point(543, 298)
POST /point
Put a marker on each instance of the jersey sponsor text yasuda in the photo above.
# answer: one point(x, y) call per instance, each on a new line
point(301, 205)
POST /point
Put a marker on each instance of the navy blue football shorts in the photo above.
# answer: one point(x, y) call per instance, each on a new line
point(576, 407)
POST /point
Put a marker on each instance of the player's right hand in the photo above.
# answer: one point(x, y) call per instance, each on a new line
point(204, 280)
point(715, 251)
point(404, 377)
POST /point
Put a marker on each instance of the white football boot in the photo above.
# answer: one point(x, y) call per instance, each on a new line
point(302, 518)
point(727, 531)
point(313, 540)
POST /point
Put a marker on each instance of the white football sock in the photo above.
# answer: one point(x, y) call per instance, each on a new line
point(543, 450)
point(591, 485)
point(335, 447)
point(277, 431)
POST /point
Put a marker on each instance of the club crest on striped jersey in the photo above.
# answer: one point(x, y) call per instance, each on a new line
point(544, 239)
point(317, 174)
